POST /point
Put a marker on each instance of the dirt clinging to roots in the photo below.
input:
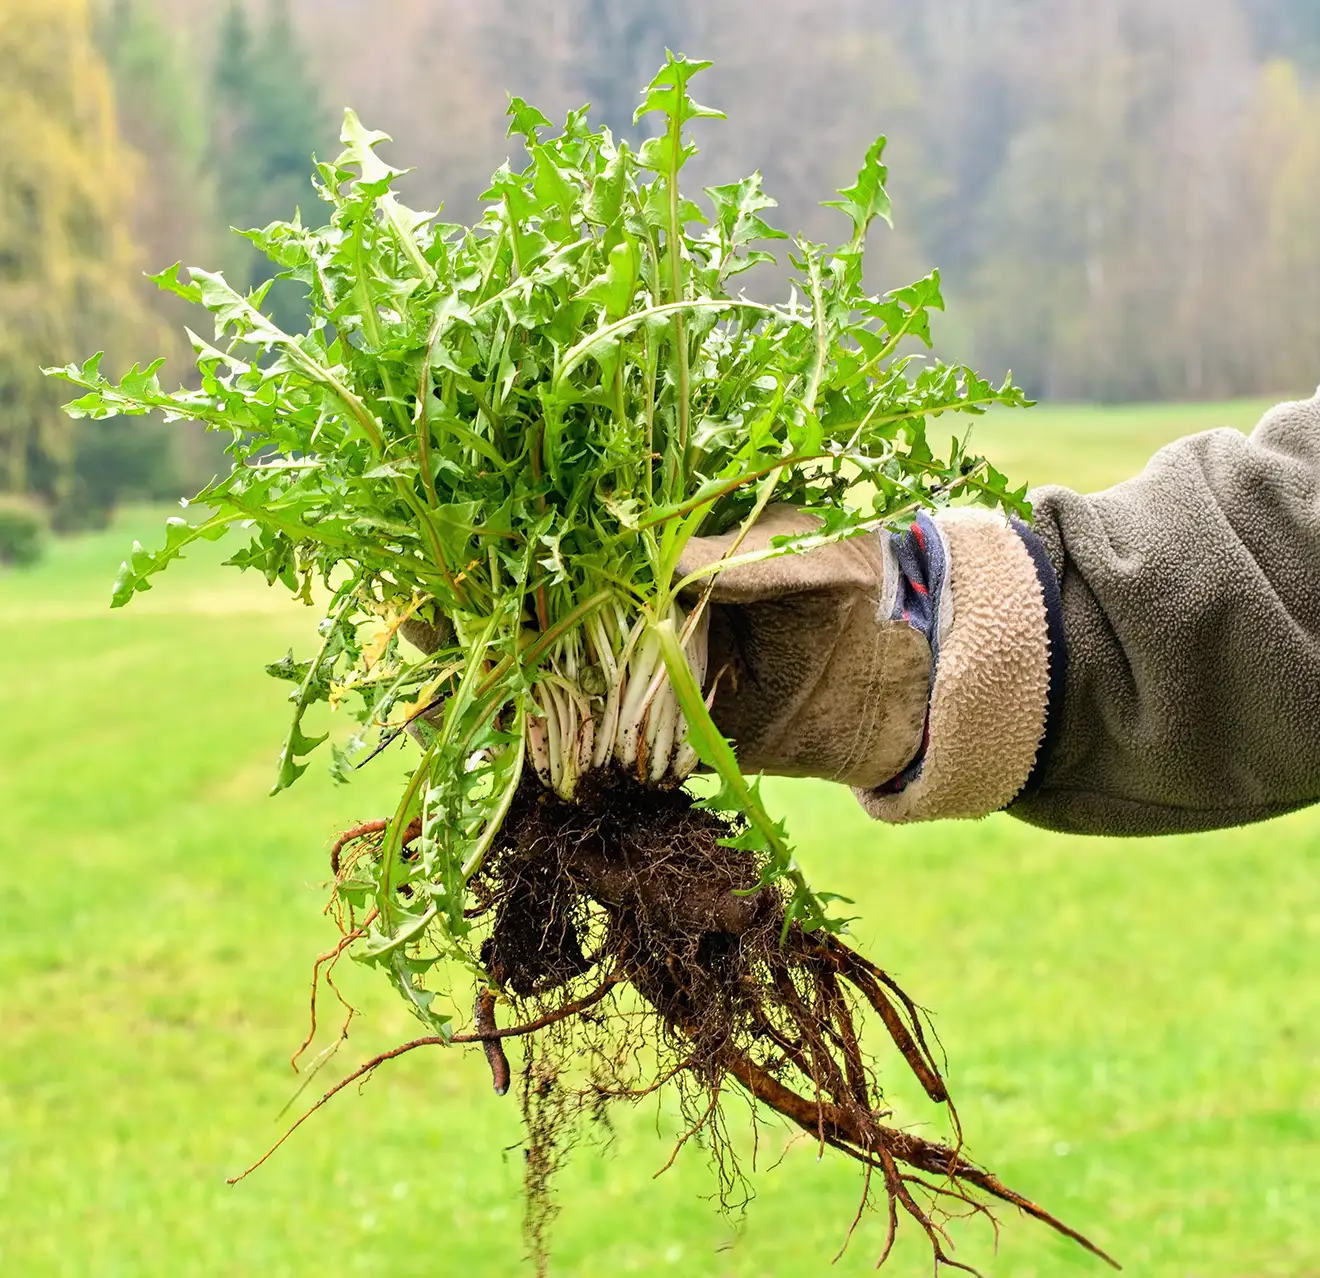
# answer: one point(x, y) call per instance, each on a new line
point(630, 938)
point(630, 888)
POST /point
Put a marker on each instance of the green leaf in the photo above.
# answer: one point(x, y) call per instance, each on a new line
point(737, 205)
point(667, 92)
point(552, 188)
point(614, 288)
point(763, 834)
point(867, 198)
point(135, 572)
point(360, 145)
point(171, 280)
point(604, 202)
point(314, 687)
point(524, 121)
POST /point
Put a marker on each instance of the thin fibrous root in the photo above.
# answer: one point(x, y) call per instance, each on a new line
point(354, 833)
point(330, 956)
point(437, 1040)
point(692, 1131)
point(882, 1146)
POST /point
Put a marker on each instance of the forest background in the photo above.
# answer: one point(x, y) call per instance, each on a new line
point(1121, 197)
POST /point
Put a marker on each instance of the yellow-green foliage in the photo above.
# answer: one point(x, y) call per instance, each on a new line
point(68, 270)
point(1284, 173)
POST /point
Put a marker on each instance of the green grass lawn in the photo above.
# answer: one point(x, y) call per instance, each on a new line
point(1133, 1028)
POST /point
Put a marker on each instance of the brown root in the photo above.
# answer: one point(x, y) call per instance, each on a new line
point(640, 889)
point(483, 1017)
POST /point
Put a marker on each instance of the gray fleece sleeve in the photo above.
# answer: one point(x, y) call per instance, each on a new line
point(1191, 609)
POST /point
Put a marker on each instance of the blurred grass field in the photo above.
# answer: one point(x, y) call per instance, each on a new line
point(1133, 1027)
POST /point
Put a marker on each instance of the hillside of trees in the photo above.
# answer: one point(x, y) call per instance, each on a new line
point(1120, 197)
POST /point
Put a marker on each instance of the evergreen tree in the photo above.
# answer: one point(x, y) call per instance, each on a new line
point(162, 114)
point(1286, 28)
point(68, 268)
point(616, 48)
point(267, 122)
point(233, 106)
point(293, 121)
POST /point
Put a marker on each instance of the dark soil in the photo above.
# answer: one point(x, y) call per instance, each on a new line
point(633, 889)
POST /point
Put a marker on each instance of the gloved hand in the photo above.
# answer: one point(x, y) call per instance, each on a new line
point(810, 675)
point(811, 678)
point(918, 668)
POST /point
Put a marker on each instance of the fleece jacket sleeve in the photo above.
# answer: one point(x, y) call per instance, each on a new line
point(1190, 599)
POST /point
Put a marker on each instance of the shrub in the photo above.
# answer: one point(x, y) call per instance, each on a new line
point(22, 531)
point(123, 459)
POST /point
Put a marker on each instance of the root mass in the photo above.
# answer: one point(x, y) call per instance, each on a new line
point(637, 949)
point(643, 886)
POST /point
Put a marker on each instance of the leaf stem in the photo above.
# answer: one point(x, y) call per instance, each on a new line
point(675, 246)
point(288, 761)
point(421, 413)
point(716, 752)
point(822, 341)
point(576, 354)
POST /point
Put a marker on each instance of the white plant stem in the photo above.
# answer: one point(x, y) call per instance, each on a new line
point(635, 723)
point(639, 671)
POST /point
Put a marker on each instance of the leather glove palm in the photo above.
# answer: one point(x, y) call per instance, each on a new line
point(810, 678)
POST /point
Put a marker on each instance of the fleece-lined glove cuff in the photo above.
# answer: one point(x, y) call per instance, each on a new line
point(983, 591)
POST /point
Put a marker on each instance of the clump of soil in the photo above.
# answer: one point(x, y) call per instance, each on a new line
point(637, 948)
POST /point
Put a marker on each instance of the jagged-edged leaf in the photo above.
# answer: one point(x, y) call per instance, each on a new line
point(866, 199)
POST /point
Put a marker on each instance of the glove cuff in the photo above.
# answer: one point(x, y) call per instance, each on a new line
point(989, 699)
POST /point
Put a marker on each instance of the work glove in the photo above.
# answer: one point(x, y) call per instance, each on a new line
point(810, 675)
point(427, 636)
point(915, 667)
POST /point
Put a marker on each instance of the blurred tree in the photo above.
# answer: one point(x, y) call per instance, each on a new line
point(1099, 271)
point(1281, 168)
point(162, 111)
point(162, 114)
point(68, 277)
point(1100, 184)
point(267, 120)
point(1286, 28)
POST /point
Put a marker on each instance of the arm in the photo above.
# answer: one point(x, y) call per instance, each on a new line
point(1191, 609)
point(1143, 660)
